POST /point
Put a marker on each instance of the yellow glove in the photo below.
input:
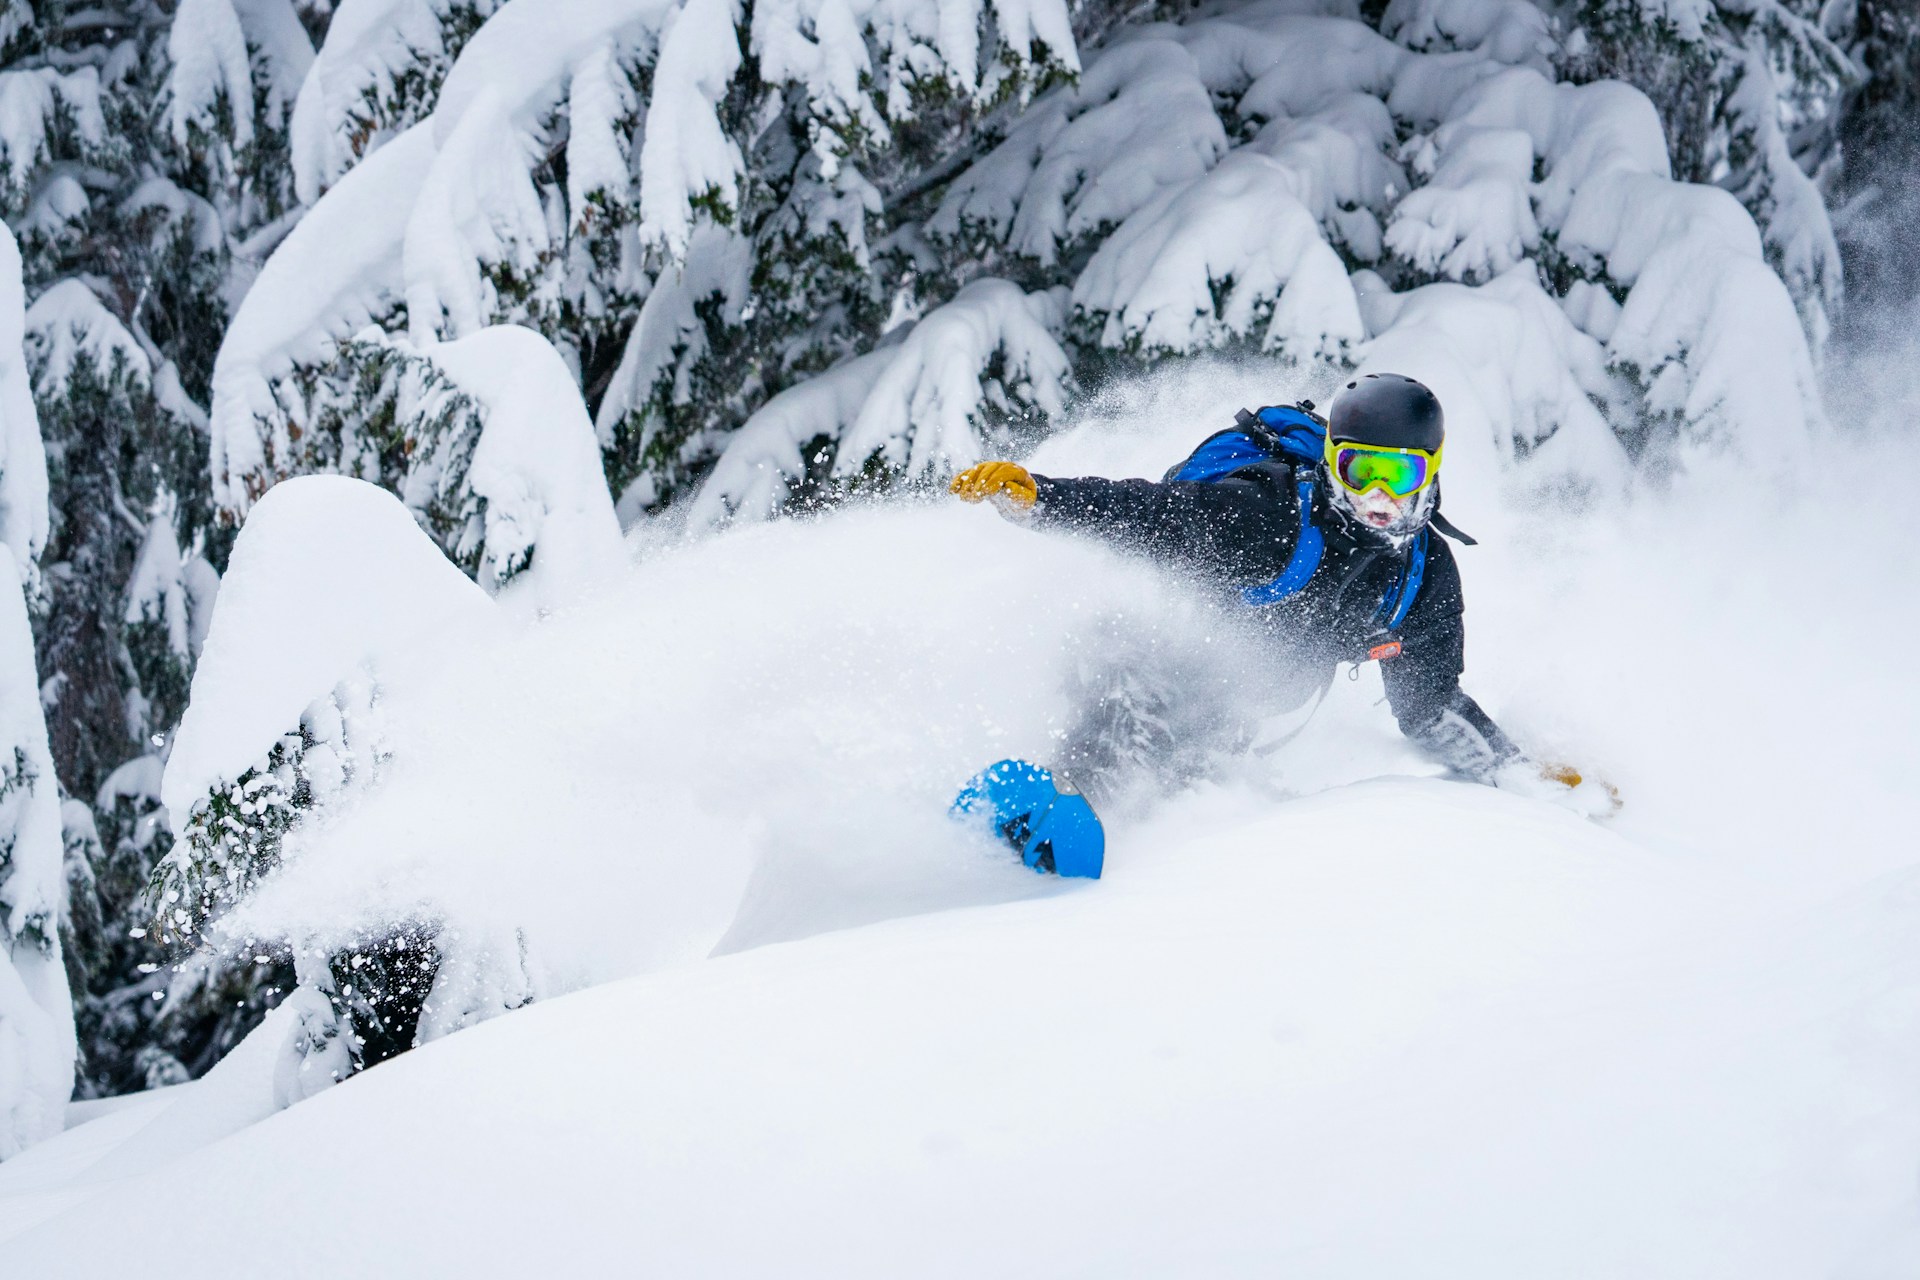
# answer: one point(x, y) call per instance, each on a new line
point(1564, 774)
point(1001, 480)
point(1569, 777)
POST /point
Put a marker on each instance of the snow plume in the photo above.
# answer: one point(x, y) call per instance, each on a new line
point(334, 605)
point(310, 746)
point(36, 1009)
point(539, 759)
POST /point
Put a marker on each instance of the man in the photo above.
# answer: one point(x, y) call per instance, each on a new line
point(1333, 558)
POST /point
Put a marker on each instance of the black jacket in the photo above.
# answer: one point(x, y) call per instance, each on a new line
point(1241, 531)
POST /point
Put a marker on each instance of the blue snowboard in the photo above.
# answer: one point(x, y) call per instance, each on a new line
point(1053, 829)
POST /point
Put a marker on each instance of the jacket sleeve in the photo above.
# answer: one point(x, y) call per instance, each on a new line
point(1235, 528)
point(1423, 683)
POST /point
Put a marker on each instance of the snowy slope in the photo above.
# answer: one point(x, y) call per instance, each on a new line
point(1518, 1047)
point(1327, 1015)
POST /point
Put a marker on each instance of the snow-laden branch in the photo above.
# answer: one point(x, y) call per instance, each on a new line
point(1208, 264)
point(335, 273)
point(688, 158)
point(1081, 160)
point(1505, 169)
point(67, 324)
point(374, 76)
point(921, 406)
point(210, 68)
point(28, 101)
point(1518, 379)
point(923, 414)
point(530, 486)
point(36, 1011)
point(764, 460)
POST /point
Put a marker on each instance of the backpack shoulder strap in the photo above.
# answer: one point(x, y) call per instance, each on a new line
point(1225, 452)
point(1308, 549)
point(1401, 592)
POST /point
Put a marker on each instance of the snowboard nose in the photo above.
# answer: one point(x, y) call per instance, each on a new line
point(1052, 830)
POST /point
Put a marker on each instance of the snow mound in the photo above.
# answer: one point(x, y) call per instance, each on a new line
point(328, 574)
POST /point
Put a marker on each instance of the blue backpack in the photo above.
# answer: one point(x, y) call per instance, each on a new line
point(1295, 435)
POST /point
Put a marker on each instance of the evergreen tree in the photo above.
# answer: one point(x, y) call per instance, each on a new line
point(139, 212)
point(1751, 93)
point(36, 1008)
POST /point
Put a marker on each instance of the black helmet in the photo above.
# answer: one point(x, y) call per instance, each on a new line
point(1387, 409)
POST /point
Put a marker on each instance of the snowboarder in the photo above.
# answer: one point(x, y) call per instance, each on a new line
point(1332, 554)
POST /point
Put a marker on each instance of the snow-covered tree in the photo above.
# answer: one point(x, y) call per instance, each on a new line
point(679, 196)
point(36, 1009)
point(143, 162)
point(706, 207)
point(1212, 184)
point(1751, 93)
point(284, 721)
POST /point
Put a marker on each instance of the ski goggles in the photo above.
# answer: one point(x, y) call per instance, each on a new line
point(1401, 472)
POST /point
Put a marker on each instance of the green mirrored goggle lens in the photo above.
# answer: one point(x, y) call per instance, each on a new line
point(1399, 473)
